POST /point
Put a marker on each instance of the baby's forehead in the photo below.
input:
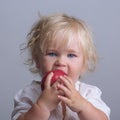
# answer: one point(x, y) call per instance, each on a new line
point(64, 45)
point(61, 40)
point(65, 39)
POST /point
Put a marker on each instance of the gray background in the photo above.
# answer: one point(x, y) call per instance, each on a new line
point(16, 18)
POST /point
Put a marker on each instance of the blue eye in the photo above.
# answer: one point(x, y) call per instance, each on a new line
point(52, 54)
point(71, 55)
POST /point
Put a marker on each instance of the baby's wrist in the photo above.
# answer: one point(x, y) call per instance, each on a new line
point(42, 106)
point(83, 106)
point(35, 112)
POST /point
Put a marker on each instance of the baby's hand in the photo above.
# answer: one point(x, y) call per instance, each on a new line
point(49, 97)
point(72, 97)
point(56, 74)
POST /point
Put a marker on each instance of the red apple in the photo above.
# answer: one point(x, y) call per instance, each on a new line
point(55, 77)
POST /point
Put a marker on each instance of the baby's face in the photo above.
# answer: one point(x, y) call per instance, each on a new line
point(69, 59)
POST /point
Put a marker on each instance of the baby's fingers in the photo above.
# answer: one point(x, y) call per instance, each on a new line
point(67, 82)
point(47, 83)
point(66, 91)
point(64, 99)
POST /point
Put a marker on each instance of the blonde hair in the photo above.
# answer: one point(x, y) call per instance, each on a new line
point(46, 30)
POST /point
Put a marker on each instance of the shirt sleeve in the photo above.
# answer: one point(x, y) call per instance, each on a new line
point(93, 95)
point(24, 99)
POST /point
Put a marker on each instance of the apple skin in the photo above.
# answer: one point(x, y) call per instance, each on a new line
point(56, 74)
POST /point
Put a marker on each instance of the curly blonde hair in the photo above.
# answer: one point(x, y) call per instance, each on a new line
point(46, 30)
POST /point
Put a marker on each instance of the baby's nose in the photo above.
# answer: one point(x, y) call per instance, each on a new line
point(60, 61)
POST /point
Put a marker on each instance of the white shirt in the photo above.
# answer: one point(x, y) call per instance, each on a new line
point(26, 97)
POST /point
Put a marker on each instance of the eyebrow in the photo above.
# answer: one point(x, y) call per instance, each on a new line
point(73, 51)
point(68, 50)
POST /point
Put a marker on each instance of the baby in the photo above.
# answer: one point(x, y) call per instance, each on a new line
point(60, 42)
